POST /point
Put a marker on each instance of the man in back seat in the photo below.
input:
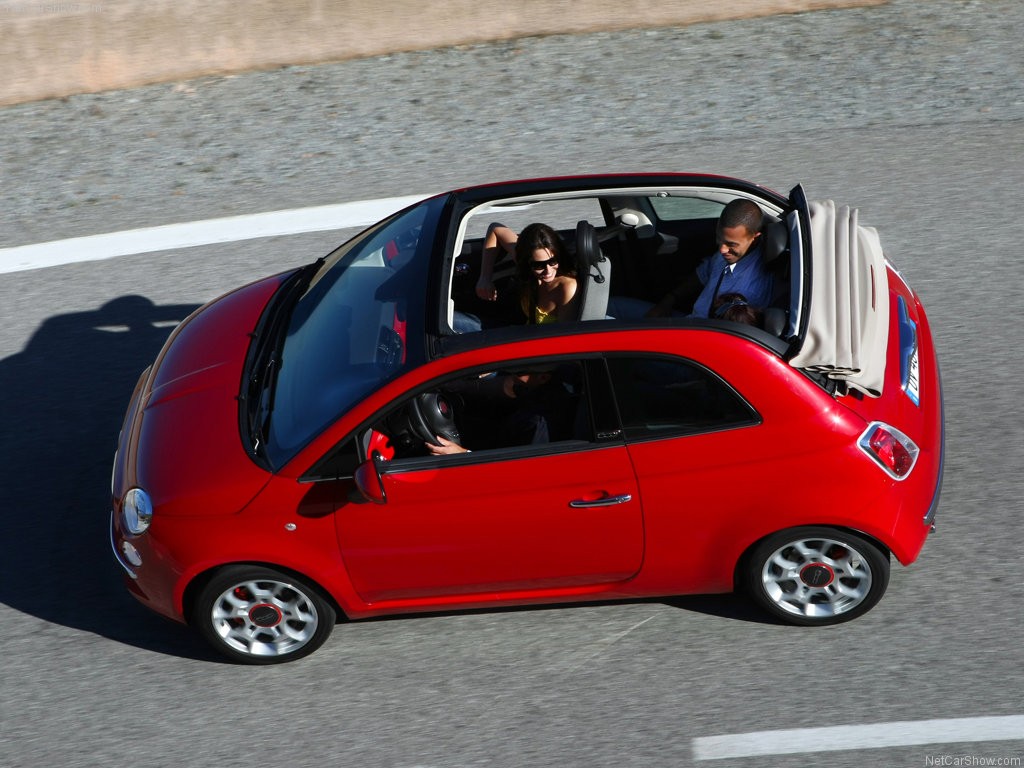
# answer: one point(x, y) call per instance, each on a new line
point(737, 267)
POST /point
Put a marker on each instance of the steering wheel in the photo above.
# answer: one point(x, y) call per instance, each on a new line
point(431, 414)
point(420, 421)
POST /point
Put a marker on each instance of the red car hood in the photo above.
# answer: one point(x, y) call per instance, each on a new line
point(187, 447)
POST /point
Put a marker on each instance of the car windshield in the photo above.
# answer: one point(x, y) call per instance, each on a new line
point(349, 331)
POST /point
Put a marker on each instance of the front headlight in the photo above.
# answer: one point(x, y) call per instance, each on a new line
point(137, 511)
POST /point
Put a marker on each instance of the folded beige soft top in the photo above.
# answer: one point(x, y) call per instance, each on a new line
point(848, 311)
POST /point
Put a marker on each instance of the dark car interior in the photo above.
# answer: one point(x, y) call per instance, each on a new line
point(626, 251)
point(521, 406)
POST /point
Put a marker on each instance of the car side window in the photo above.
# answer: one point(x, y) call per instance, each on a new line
point(522, 405)
point(661, 396)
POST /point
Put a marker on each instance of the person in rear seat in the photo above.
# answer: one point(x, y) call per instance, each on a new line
point(737, 267)
point(735, 308)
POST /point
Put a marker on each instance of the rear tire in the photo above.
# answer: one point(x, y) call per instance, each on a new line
point(257, 615)
point(814, 576)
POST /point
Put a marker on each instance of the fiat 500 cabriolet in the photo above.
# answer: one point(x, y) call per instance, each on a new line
point(273, 473)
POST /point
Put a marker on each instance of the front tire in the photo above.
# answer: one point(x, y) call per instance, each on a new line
point(257, 615)
point(815, 576)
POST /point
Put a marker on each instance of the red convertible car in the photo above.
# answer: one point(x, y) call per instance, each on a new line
point(273, 473)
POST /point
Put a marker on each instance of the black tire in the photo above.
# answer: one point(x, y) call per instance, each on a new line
point(257, 615)
point(814, 576)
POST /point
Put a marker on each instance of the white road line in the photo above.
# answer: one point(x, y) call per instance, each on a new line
point(874, 736)
point(169, 237)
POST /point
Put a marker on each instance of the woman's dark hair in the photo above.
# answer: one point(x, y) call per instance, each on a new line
point(533, 237)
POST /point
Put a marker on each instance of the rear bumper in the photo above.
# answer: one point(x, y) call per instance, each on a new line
point(929, 518)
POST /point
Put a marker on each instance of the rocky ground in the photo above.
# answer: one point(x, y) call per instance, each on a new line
point(636, 100)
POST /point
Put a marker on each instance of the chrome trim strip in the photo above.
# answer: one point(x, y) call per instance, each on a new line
point(909, 378)
point(929, 518)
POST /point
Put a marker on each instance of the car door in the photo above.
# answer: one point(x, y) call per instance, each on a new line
point(502, 520)
point(695, 445)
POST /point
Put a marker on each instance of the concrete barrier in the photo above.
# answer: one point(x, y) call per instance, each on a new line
point(53, 48)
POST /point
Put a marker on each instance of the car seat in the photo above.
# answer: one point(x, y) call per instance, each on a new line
point(593, 274)
point(775, 245)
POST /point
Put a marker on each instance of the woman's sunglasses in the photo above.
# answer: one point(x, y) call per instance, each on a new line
point(540, 266)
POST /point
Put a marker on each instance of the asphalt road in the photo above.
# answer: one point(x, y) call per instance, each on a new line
point(913, 112)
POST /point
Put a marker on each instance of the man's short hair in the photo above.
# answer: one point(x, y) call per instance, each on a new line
point(742, 212)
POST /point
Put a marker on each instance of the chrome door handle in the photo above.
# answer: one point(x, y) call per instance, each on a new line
point(607, 501)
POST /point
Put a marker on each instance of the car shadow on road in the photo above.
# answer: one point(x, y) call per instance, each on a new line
point(63, 401)
point(729, 606)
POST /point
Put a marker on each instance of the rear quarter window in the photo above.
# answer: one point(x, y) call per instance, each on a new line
point(660, 397)
point(685, 208)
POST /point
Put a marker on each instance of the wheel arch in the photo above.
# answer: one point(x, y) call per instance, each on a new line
point(744, 558)
point(200, 580)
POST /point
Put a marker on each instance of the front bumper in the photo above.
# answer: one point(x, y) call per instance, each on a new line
point(120, 552)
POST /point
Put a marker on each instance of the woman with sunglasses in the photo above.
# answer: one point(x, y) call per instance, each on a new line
point(546, 278)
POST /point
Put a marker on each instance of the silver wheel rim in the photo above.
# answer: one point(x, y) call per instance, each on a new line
point(264, 617)
point(816, 577)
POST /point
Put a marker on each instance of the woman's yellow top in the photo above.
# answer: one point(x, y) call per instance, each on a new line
point(540, 317)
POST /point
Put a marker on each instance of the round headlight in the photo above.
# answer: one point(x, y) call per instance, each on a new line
point(137, 511)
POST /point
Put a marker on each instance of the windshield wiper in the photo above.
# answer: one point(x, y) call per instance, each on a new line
point(258, 394)
point(262, 404)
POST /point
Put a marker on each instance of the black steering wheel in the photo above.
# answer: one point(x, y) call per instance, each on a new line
point(421, 420)
point(431, 414)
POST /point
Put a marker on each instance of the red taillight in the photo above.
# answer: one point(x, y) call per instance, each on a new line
point(893, 450)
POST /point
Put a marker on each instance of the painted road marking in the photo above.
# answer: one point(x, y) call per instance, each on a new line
point(874, 736)
point(169, 237)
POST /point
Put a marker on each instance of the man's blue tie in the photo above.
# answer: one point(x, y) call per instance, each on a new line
point(711, 306)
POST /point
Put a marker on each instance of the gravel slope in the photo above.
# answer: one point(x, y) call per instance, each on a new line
point(612, 101)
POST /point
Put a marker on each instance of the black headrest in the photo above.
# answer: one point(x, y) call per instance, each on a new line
point(774, 239)
point(775, 320)
point(588, 252)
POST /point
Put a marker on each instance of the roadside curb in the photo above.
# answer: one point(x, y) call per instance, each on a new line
point(51, 48)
